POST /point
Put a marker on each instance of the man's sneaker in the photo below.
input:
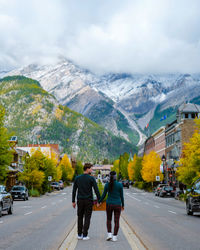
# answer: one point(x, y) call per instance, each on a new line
point(114, 238)
point(86, 238)
point(80, 237)
point(109, 236)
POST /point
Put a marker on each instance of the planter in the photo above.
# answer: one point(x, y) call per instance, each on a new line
point(102, 207)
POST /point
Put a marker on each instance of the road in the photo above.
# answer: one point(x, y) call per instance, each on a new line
point(161, 223)
point(39, 223)
point(43, 223)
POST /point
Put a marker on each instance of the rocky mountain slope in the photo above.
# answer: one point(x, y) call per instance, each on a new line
point(33, 114)
point(72, 86)
point(122, 103)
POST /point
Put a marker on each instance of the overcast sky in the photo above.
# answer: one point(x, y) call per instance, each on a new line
point(133, 36)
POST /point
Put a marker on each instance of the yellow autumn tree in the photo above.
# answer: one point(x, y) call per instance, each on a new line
point(67, 170)
point(58, 173)
point(131, 166)
point(189, 169)
point(151, 167)
point(116, 167)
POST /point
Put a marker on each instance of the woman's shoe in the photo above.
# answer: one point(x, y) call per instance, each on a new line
point(109, 236)
point(114, 238)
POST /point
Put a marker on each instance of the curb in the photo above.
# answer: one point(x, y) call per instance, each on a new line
point(134, 241)
point(70, 241)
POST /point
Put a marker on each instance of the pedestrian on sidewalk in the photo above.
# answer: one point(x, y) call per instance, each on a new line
point(84, 183)
point(114, 204)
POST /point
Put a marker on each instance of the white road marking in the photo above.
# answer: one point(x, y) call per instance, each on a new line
point(64, 193)
point(53, 203)
point(156, 206)
point(133, 198)
point(172, 212)
point(28, 213)
point(26, 206)
point(1, 221)
point(146, 203)
point(43, 207)
point(65, 198)
point(60, 200)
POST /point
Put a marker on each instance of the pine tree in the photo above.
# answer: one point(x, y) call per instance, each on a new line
point(6, 154)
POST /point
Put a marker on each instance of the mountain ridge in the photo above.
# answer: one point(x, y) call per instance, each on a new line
point(34, 114)
point(137, 95)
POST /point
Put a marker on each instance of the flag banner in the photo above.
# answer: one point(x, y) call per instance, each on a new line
point(163, 118)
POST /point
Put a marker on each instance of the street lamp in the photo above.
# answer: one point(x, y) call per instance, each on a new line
point(165, 170)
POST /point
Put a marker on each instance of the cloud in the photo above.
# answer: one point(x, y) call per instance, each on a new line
point(134, 36)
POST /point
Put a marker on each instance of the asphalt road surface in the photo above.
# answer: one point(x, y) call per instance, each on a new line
point(39, 223)
point(43, 223)
point(161, 223)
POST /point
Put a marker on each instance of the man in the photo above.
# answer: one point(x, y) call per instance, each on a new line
point(84, 183)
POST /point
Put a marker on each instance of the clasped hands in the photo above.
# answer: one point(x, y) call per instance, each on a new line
point(99, 204)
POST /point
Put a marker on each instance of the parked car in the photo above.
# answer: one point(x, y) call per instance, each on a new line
point(158, 188)
point(19, 192)
point(125, 183)
point(6, 201)
point(167, 191)
point(55, 185)
point(61, 184)
point(193, 199)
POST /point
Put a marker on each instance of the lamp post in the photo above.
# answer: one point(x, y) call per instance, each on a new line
point(164, 167)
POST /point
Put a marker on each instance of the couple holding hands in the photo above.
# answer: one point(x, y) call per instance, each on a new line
point(114, 204)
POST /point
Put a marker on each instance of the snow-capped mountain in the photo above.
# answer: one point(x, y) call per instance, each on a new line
point(114, 100)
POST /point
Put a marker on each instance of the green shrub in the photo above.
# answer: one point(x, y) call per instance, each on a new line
point(34, 193)
point(182, 197)
point(143, 185)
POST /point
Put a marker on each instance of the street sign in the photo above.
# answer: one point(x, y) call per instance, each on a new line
point(157, 178)
point(49, 178)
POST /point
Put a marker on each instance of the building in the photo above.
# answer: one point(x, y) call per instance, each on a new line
point(149, 145)
point(103, 169)
point(49, 150)
point(159, 141)
point(176, 134)
point(17, 164)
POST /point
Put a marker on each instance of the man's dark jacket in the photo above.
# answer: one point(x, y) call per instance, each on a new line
point(84, 183)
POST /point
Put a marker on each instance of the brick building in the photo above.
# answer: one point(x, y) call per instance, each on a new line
point(176, 134)
point(159, 140)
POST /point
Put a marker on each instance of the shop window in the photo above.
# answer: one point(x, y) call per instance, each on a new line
point(193, 116)
point(186, 116)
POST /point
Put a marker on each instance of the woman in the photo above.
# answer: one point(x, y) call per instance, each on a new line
point(114, 203)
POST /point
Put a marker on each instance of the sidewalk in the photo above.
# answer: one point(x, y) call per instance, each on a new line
point(98, 233)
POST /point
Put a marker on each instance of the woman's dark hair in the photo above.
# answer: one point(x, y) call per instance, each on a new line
point(112, 178)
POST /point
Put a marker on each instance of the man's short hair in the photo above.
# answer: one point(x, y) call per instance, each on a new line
point(87, 165)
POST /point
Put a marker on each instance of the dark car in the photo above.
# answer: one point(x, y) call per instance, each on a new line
point(6, 201)
point(61, 184)
point(19, 192)
point(167, 191)
point(158, 188)
point(125, 183)
point(193, 199)
point(55, 185)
